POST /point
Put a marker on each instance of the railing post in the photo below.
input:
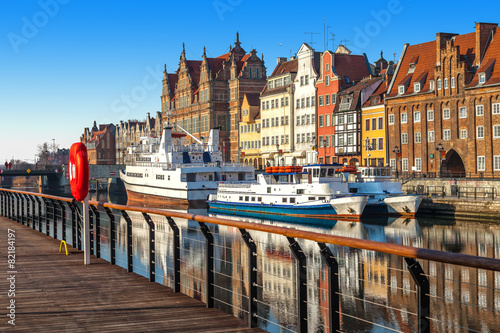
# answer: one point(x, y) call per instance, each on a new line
point(12, 206)
point(63, 219)
point(176, 253)
point(78, 226)
point(39, 217)
point(97, 228)
point(423, 299)
point(32, 204)
point(333, 287)
point(209, 246)
point(91, 226)
point(252, 277)
point(18, 207)
point(21, 207)
point(130, 258)
point(112, 236)
point(47, 222)
point(151, 226)
point(2, 203)
point(301, 271)
point(54, 218)
point(73, 224)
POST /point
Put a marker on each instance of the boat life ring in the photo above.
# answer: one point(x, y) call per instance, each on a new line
point(78, 171)
point(169, 165)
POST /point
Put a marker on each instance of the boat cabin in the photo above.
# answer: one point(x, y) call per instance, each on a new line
point(314, 173)
point(374, 174)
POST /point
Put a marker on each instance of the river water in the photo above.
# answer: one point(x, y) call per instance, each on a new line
point(374, 287)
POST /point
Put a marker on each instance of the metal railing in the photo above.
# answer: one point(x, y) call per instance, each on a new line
point(316, 259)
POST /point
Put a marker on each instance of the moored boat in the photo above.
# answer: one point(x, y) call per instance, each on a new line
point(385, 196)
point(317, 191)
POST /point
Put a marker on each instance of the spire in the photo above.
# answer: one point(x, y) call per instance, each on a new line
point(204, 52)
point(237, 43)
point(183, 54)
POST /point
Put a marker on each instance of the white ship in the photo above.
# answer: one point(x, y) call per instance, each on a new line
point(385, 196)
point(170, 173)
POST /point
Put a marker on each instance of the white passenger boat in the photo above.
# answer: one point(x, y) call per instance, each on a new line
point(385, 196)
point(317, 191)
point(170, 173)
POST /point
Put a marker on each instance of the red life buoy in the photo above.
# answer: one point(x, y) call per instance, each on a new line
point(78, 171)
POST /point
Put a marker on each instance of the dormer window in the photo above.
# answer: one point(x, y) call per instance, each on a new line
point(416, 87)
point(412, 68)
point(401, 90)
point(482, 78)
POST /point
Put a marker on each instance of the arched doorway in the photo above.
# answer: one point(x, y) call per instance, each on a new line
point(353, 161)
point(452, 166)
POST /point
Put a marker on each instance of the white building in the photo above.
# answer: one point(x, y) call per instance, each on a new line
point(305, 111)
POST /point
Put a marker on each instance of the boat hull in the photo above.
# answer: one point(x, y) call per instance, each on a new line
point(401, 205)
point(159, 201)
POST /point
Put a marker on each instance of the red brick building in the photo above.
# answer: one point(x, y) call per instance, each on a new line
point(443, 105)
point(206, 93)
point(100, 144)
point(338, 71)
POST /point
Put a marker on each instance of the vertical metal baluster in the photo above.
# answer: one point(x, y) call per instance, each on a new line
point(18, 204)
point(78, 226)
point(63, 219)
point(32, 204)
point(423, 299)
point(2, 202)
point(151, 226)
point(39, 211)
point(47, 222)
point(301, 271)
point(177, 254)
point(91, 225)
point(21, 207)
point(252, 277)
point(130, 254)
point(73, 224)
point(112, 235)
point(333, 287)
point(97, 228)
point(209, 246)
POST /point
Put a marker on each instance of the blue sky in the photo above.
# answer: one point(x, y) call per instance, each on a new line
point(66, 63)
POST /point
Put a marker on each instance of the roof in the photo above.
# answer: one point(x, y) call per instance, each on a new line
point(290, 66)
point(488, 64)
point(353, 67)
point(253, 99)
point(356, 92)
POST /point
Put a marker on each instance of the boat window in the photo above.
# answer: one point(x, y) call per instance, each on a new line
point(241, 176)
point(284, 200)
point(191, 177)
point(321, 198)
point(378, 172)
point(268, 190)
point(311, 198)
point(353, 190)
point(253, 198)
point(315, 172)
point(168, 178)
point(223, 178)
point(323, 173)
point(211, 177)
point(331, 172)
point(292, 200)
point(241, 198)
point(259, 199)
point(246, 198)
point(300, 191)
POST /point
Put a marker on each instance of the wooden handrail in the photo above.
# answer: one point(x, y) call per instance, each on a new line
point(399, 250)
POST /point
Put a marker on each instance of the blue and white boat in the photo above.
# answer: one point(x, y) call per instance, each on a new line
point(318, 191)
point(385, 196)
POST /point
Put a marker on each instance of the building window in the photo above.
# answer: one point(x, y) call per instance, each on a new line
point(447, 135)
point(430, 115)
point(496, 162)
point(340, 120)
point(463, 112)
point(480, 132)
point(446, 83)
point(418, 164)
point(482, 78)
point(418, 137)
point(308, 103)
point(327, 67)
point(401, 90)
point(282, 101)
point(320, 100)
point(320, 121)
point(481, 163)
point(367, 124)
point(431, 84)
point(327, 80)
point(297, 106)
point(453, 82)
point(416, 87)
point(479, 110)
point(302, 102)
point(327, 99)
point(307, 80)
point(350, 119)
point(380, 143)
point(392, 163)
point(286, 101)
point(334, 98)
point(327, 119)
point(350, 139)
point(404, 138)
point(446, 113)
point(439, 84)
point(380, 123)
point(405, 164)
point(496, 108)
point(301, 80)
point(391, 119)
point(404, 118)
point(463, 134)
point(416, 117)
point(430, 136)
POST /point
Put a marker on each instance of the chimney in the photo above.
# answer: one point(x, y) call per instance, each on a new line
point(483, 33)
point(279, 60)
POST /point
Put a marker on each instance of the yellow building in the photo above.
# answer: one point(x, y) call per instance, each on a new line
point(249, 133)
point(373, 132)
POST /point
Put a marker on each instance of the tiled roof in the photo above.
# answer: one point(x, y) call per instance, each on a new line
point(253, 99)
point(290, 66)
point(356, 92)
point(489, 63)
point(352, 66)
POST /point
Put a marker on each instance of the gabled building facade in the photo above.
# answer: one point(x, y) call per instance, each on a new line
point(205, 94)
point(250, 140)
point(277, 109)
point(305, 113)
point(338, 71)
point(100, 144)
point(443, 106)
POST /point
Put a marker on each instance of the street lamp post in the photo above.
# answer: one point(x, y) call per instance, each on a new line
point(324, 148)
point(439, 148)
point(396, 151)
point(278, 150)
point(368, 148)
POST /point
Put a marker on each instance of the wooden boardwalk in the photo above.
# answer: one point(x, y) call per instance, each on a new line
point(57, 293)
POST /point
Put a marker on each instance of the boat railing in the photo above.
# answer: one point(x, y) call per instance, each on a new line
point(417, 284)
point(233, 185)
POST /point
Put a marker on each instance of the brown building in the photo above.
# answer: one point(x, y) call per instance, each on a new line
point(443, 106)
point(205, 94)
point(100, 144)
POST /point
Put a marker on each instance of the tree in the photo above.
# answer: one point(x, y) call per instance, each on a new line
point(43, 153)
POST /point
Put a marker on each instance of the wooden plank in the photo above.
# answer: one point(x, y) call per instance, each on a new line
point(55, 292)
